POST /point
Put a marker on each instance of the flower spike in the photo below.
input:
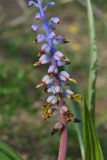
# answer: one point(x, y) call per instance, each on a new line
point(56, 81)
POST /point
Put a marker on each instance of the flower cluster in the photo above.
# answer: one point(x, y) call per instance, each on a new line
point(55, 81)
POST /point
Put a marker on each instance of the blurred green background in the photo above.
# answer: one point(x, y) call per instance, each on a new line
point(21, 125)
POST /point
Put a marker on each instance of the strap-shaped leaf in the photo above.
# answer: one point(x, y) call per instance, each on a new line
point(7, 153)
point(91, 143)
point(93, 60)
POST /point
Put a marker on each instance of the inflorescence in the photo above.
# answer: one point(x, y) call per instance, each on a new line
point(55, 81)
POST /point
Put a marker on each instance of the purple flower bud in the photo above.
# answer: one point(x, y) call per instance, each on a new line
point(61, 63)
point(68, 94)
point(45, 81)
point(51, 26)
point(52, 70)
point(34, 27)
point(51, 89)
point(64, 76)
point(58, 56)
point(59, 40)
point(49, 4)
point(55, 20)
point(38, 16)
point(32, 3)
point(52, 99)
point(43, 60)
point(52, 35)
point(45, 49)
point(57, 89)
point(41, 37)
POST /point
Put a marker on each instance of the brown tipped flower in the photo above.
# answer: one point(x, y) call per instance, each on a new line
point(58, 127)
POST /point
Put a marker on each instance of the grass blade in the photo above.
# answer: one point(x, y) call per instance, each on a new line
point(93, 61)
point(7, 153)
point(91, 143)
point(79, 127)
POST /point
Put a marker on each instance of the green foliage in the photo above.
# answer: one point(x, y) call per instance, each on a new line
point(7, 153)
point(93, 61)
point(91, 143)
point(92, 147)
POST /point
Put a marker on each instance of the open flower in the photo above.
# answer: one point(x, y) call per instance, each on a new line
point(45, 49)
point(45, 81)
point(52, 100)
point(64, 76)
point(59, 40)
point(43, 60)
point(70, 95)
point(55, 20)
point(40, 38)
point(35, 27)
point(52, 70)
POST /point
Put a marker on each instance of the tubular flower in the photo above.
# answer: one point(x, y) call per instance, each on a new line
point(55, 80)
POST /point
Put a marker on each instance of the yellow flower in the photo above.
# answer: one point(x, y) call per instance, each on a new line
point(74, 29)
point(105, 15)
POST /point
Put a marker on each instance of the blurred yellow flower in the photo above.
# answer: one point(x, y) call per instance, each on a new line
point(105, 15)
point(74, 29)
point(76, 46)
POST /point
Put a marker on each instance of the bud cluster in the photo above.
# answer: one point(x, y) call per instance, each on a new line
point(55, 81)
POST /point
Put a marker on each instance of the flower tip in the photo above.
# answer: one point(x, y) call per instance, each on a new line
point(66, 41)
point(39, 54)
point(77, 98)
point(72, 80)
point(36, 64)
point(39, 85)
point(67, 60)
point(76, 120)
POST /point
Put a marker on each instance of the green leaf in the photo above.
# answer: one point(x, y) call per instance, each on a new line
point(93, 61)
point(77, 112)
point(79, 127)
point(91, 143)
point(7, 153)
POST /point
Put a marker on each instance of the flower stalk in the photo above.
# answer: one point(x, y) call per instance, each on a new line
point(54, 82)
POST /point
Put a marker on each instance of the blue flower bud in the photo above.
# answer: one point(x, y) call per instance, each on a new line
point(55, 20)
point(49, 4)
point(38, 16)
point(41, 37)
